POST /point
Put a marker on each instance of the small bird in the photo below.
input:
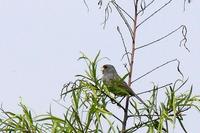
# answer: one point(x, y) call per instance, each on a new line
point(116, 84)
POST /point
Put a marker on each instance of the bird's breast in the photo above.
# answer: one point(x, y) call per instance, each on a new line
point(108, 77)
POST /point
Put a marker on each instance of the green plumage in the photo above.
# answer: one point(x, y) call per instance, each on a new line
point(115, 84)
point(118, 88)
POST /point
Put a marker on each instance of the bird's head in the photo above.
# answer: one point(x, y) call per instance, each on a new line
point(108, 69)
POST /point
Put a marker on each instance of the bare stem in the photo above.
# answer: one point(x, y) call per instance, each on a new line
point(131, 64)
point(163, 37)
point(155, 69)
point(158, 88)
point(154, 13)
point(125, 48)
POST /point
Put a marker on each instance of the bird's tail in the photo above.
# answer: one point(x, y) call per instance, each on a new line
point(140, 99)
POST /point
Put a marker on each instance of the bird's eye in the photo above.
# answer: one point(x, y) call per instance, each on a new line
point(105, 66)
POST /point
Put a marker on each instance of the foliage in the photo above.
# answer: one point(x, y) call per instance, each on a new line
point(91, 108)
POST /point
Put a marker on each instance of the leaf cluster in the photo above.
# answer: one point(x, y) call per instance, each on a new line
point(91, 109)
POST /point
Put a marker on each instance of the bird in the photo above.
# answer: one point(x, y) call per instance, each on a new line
point(115, 84)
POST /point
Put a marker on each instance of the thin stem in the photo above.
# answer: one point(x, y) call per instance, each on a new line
point(142, 10)
point(125, 48)
point(131, 64)
point(154, 115)
point(123, 18)
point(154, 70)
point(161, 38)
point(125, 12)
point(158, 88)
point(117, 118)
point(154, 13)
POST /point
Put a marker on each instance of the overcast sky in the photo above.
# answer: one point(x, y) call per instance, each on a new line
point(40, 41)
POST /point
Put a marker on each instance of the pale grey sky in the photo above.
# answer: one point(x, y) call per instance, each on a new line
point(40, 41)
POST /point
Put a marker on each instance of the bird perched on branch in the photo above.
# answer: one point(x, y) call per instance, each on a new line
point(116, 84)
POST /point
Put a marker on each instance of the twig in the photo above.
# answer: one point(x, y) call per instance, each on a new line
point(154, 89)
point(179, 119)
point(145, 7)
point(107, 11)
point(155, 115)
point(85, 3)
point(125, 48)
point(189, 1)
point(132, 129)
point(178, 69)
point(6, 113)
point(154, 13)
point(117, 118)
point(124, 11)
point(182, 26)
point(182, 85)
point(153, 70)
point(125, 65)
point(123, 18)
point(184, 40)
